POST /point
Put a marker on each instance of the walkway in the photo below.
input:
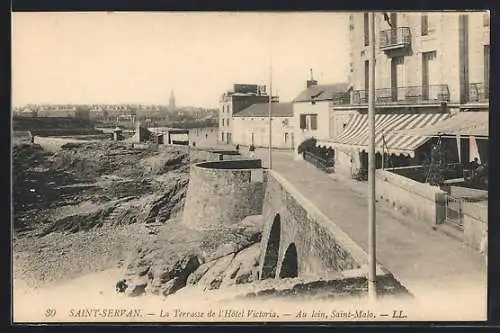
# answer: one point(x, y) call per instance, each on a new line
point(424, 260)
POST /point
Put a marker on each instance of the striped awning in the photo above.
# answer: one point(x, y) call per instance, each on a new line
point(356, 134)
point(466, 123)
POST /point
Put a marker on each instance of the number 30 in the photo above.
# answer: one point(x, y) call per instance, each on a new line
point(50, 312)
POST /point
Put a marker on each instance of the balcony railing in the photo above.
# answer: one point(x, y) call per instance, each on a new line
point(478, 93)
point(395, 38)
point(405, 95)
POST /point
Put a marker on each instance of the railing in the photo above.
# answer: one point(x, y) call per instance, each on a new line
point(454, 214)
point(342, 99)
point(393, 38)
point(318, 162)
point(478, 92)
point(405, 95)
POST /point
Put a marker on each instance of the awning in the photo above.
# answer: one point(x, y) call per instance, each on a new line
point(465, 123)
point(356, 134)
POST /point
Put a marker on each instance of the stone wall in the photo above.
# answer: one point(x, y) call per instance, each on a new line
point(475, 222)
point(410, 197)
point(222, 193)
point(197, 154)
point(320, 245)
point(55, 143)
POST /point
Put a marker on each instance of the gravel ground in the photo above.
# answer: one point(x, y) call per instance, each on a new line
point(57, 257)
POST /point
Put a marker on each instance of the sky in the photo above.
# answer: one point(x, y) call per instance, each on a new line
point(140, 57)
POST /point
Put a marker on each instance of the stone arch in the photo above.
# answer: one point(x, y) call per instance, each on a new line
point(290, 264)
point(272, 250)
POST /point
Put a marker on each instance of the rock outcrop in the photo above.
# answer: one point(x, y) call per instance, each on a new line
point(205, 259)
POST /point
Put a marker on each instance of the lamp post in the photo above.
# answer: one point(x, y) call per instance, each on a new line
point(372, 261)
point(270, 113)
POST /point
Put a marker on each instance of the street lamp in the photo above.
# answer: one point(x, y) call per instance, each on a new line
point(372, 249)
point(270, 112)
point(372, 245)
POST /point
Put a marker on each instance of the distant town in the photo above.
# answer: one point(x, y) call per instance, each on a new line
point(126, 115)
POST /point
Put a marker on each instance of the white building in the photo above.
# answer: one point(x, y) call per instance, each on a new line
point(311, 111)
point(429, 66)
point(251, 126)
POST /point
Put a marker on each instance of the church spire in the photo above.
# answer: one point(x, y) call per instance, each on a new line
point(171, 101)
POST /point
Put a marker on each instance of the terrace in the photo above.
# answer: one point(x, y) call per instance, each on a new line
point(411, 95)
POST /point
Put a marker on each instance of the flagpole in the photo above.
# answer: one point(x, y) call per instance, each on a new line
point(371, 167)
point(270, 113)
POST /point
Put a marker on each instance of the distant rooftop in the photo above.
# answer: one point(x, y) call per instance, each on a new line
point(322, 92)
point(262, 110)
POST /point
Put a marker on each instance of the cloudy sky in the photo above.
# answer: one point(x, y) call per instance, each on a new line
point(140, 57)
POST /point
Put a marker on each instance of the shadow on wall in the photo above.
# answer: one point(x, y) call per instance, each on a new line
point(272, 250)
point(290, 265)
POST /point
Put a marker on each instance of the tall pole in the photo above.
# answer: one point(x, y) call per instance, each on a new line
point(270, 112)
point(372, 261)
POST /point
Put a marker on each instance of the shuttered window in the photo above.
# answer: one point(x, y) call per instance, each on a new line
point(302, 121)
point(424, 24)
point(366, 29)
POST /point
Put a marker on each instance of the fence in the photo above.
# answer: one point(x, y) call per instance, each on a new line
point(412, 94)
point(320, 163)
point(454, 212)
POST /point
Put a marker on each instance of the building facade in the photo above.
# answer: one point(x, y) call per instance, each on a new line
point(251, 126)
point(311, 111)
point(233, 101)
point(423, 57)
point(428, 66)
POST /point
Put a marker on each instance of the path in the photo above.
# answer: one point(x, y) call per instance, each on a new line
point(424, 260)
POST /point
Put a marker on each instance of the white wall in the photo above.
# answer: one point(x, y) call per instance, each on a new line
point(479, 36)
point(243, 127)
point(339, 118)
point(322, 109)
point(443, 39)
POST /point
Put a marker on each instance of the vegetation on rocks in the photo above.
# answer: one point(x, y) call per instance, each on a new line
point(97, 205)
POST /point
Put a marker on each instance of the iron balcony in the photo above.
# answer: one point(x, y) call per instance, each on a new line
point(396, 38)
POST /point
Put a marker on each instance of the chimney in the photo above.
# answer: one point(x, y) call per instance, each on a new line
point(312, 81)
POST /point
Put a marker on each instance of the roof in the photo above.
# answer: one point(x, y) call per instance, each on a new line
point(467, 123)
point(322, 92)
point(390, 130)
point(262, 110)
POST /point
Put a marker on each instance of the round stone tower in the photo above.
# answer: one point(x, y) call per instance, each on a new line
point(222, 193)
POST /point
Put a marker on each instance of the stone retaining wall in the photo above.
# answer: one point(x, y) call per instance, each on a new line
point(410, 197)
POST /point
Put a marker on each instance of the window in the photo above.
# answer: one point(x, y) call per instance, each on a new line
point(314, 122)
point(227, 122)
point(367, 29)
point(222, 135)
point(222, 121)
point(486, 19)
point(424, 25)
point(309, 122)
point(286, 137)
point(367, 75)
point(486, 70)
point(302, 121)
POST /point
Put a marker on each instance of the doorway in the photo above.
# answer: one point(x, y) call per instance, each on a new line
point(397, 78)
point(429, 75)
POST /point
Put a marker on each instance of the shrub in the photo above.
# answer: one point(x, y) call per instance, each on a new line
point(307, 145)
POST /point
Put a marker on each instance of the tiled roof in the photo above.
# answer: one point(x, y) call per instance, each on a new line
point(262, 110)
point(322, 92)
